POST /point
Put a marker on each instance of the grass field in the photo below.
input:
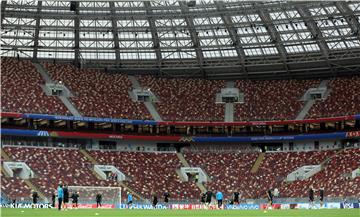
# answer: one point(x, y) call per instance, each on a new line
point(6, 212)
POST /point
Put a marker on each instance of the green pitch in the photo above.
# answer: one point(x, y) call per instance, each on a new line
point(6, 212)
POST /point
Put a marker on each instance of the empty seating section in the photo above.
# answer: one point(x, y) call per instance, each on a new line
point(227, 171)
point(333, 178)
point(276, 166)
point(98, 94)
point(52, 166)
point(232, 171)
point(102, 94)
point(15, 188)
point(343, 99)
point(271, 99)
point(150, 172)
point(186, 99)
point(21, 90)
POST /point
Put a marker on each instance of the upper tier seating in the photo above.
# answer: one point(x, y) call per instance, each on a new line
point(21, 91)
point(344, 99)
point(52, 166)
point(98, 94)
point(101, 94)
point(150, 172)
point(271, 99)
point(331, 178)
point(186, 99)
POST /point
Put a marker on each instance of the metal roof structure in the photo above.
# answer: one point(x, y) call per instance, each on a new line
point(202, 38)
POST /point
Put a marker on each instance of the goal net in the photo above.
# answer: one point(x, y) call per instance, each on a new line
point(110, 196)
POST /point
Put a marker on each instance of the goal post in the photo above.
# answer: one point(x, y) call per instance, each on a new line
point(110, 196)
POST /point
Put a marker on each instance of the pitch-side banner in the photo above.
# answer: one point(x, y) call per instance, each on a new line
point(243, 206)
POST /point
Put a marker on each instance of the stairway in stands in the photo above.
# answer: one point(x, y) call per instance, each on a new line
point(150, 106)
point(229, 107)
point(309, 103)
point(5, 157)
point(186, 164)
point(122, 184)
point(258, 162)
point(65, 100)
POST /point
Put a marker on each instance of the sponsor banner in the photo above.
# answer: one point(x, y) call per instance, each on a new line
point(195, 123)
point(93, 206)
point(17, 132)
point(89, 119)
point(349, 205)
point(11, 114)
point(308, 206)
point(337, 135)
point(191, 206)
point(332, 205)
point(274, 206)
point(243, 206)
point(27, 205)
point(353, 134)
point(142, 206)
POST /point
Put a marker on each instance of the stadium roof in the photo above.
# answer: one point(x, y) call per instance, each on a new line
point(205, 38)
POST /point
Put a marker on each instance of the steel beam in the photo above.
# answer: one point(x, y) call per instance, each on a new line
point(350, 17)
point(3, 8)
point(115, 32)
point(77, 36)
point(154, 35)
point(275, 36)
point(233, 34)
point(317, 34)
point(189, 19)
point(37, 30)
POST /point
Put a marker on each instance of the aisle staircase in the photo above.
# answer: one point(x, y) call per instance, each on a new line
point(64, 99)
point(28, 182)
point(186, 164)
point(125, 188)
point(257, 163)
point(34, 188)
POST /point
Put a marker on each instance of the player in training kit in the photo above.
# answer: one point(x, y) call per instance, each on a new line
point(209, 195)
point(129, 200)
point(203, 198)
point(321, 195)
point(219, 198)
point(98, 200)
point(75, 199)
point(270, 198)
point(236, 197)
point(66, 196)
point(35, 198)
point(166, 197)
point(311, 197)
point(60, 194)
point(155, 201)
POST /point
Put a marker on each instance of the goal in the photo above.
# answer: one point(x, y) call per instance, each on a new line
point(111, 196)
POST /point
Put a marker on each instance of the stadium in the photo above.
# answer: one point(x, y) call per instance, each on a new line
point(180, 108)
